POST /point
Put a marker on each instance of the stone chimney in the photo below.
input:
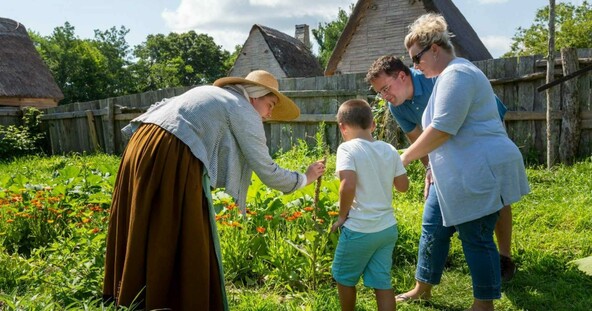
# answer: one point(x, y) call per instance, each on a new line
point(302, 34)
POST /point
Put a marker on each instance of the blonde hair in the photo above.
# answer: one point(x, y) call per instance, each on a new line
point(428, 29)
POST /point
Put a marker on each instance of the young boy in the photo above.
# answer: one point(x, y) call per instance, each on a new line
point(367, 170)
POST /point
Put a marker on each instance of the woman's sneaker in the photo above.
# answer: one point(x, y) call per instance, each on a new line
point(508, 268)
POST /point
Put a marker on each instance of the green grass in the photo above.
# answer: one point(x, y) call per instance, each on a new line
point(552, 227)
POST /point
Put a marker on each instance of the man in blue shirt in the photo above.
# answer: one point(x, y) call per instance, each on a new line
point(407, 91)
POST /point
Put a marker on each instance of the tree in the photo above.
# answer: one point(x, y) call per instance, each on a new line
point(328, 34)
point(573, 28)
point(179, 60)
point(87, 69)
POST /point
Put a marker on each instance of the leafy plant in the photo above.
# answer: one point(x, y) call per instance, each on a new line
point(21, 140)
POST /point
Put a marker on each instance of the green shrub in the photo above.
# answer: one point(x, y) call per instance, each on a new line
point(26, 139)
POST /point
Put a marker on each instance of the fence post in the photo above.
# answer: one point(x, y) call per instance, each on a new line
point(570, 122)
point(109, 125)
point(92, 131)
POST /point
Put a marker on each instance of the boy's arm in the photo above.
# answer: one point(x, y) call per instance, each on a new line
point(401, 183)
point(347, 192)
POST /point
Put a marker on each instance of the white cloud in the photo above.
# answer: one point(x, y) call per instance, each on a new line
point(229, 21)
point(497, 45)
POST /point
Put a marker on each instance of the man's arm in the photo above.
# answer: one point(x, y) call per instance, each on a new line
point(412, 136)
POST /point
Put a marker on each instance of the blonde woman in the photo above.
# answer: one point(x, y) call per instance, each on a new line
point(477, 169)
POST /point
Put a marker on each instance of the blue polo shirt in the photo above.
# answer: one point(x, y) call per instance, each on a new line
point(408, 114)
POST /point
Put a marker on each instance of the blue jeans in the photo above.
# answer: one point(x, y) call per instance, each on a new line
point(478, 247)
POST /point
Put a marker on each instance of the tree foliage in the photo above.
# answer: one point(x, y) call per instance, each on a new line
point(106, 66)
point(328, 34)
point(573, 28)
point(180, 60)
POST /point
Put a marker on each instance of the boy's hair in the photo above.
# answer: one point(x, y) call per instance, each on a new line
point(388, 64)
point(355, 113)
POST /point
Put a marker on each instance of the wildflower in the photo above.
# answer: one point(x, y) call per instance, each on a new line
point(230, 206)
point(333, 213)
point(268, 217)
point(96, 230)
point(261, 230)
point(50, 221)
point(85, 220)
point(290, 218)
point(320, 221)
point(309, 208)
point(297, 214)
point(10, 221)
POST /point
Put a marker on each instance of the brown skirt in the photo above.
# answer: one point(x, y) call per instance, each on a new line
point(160, 246)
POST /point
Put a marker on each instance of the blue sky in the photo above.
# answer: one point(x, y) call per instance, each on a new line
point(229, 21)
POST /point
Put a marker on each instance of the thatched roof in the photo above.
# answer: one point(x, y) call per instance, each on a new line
point(293, 56)
point(466, 41)
point(23, 74)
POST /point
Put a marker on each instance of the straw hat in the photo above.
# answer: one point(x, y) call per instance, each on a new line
point(285, 108)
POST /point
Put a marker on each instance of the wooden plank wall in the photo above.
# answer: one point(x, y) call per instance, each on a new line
point(10, 116)
point(515, 80)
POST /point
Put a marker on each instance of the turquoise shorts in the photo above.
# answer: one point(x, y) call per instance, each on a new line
point(365, 254)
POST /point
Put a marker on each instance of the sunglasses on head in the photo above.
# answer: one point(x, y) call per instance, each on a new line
point(417, 57)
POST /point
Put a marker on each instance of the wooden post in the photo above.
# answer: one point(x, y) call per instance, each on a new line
point(92, 131)
point(570, 125)
point(109, 125)
point(552, 126)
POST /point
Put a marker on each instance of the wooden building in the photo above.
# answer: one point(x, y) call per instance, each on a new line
point(379, 27)
point(25, 80)
point(274, 51)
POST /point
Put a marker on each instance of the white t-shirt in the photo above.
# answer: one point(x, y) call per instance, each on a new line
point(376, 165)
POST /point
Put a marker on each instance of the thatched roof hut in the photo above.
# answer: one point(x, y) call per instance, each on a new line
point(272, 50)
point(25, 80)
point(378, 27)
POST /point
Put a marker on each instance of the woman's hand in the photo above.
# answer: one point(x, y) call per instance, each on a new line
point(428, 182)
point(314, 171)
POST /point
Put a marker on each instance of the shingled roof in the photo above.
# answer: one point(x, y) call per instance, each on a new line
point(466, 41)
point(292, 55)
point(23, 74)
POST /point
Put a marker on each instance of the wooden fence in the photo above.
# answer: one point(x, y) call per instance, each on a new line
point(95, 126)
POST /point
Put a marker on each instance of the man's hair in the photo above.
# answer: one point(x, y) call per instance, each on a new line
point(355, 113)
point(387, 64)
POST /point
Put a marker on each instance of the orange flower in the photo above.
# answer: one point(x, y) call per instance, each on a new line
point(261, 230)
point(290, 218)
point(96, 230)
point(332, 213)
point(320, 220)
point(309, 208)
point(230, 206)
point(85, 220)
point(268, 217)
point(10, 220)
point(297, 214)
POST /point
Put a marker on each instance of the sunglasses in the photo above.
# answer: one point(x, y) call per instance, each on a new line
point(417, 57)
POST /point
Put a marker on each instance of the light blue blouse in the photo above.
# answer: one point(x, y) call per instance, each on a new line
point(479, 169)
